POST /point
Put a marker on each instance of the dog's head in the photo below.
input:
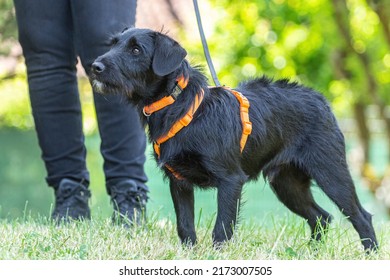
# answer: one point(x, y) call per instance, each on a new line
point(137, 63)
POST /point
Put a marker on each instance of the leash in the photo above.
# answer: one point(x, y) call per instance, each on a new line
point(204, 44)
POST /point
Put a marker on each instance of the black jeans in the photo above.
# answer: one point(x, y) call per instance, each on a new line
point(53, 34)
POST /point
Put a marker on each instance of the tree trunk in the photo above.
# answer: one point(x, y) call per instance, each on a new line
point(382, 10)
point(375, 184)
point(359, 109)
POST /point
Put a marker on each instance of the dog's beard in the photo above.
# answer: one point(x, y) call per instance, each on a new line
point(98, 86)
point(107, 88)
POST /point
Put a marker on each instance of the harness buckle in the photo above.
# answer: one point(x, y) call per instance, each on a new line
point(186, 120)
point(247, 128)
point(244, 102)
point(176, 91)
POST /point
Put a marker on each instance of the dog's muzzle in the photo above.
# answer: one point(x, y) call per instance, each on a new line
point(97, 68)
point(98, 86)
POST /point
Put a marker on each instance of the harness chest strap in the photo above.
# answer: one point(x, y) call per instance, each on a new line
point(180, 124)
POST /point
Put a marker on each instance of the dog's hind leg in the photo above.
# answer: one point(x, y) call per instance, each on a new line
point(183, 201)
point(332, 175)
point(292, 187)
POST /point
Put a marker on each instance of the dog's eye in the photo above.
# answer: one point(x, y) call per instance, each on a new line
point(135, 50)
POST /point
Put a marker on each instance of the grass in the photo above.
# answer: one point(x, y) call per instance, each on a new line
point(267, 230)
point(287, 238)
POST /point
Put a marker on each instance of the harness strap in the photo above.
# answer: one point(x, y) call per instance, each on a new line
point(158, 105)
point(244, 113)
point(180, 124)
point(174, 173)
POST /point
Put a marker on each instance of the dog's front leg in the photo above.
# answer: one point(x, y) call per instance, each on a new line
point(229, 194)
point(183, 200)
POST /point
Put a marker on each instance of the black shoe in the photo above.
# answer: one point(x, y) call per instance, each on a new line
point(71, 201)
point(129, 200)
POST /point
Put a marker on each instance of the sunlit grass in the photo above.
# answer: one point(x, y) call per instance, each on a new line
point(287, 238)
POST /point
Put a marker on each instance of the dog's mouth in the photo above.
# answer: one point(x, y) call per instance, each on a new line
point(109, 88)
point(103, 87)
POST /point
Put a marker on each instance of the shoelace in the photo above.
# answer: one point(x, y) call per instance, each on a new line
point(132, 195)
point(79, 193)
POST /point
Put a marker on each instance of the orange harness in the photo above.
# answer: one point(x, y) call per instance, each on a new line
point(186, 120)
point(244, 113)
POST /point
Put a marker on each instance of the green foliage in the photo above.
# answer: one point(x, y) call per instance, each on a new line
point(15, 107)
point(297, 39)
point(8, 27)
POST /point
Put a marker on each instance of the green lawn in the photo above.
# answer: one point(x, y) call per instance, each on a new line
point(267, 230)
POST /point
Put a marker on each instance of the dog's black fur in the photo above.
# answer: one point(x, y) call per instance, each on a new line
point(295, 137)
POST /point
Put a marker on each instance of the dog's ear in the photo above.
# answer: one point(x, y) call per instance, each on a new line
point(168, 55)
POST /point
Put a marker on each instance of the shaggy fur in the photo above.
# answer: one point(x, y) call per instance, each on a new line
point(295, 137)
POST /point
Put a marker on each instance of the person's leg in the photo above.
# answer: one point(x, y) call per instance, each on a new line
point(123, 138)
point(46, 35)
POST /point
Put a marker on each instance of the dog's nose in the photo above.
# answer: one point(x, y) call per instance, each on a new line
point(98, 67)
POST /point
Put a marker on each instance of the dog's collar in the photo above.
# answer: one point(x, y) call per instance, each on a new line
point(180, 85)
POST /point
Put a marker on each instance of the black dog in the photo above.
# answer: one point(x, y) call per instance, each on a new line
point(295, 137)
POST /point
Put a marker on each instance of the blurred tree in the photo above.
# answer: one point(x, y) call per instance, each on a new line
point(14, 108)
point(7, 25)
point(342, 15)
point(9, 50)
point(382, 9)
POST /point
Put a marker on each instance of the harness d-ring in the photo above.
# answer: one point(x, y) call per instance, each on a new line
point(145, 114)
